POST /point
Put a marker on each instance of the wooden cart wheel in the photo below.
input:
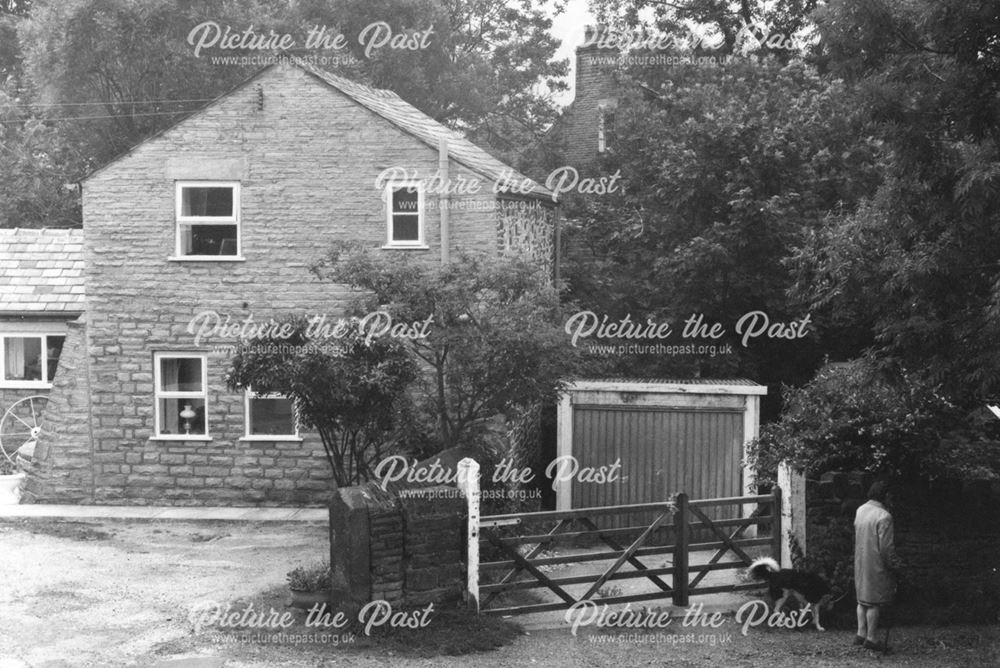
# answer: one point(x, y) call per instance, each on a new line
point(21, 426)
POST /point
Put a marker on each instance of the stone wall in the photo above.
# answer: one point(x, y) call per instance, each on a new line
point(10, 395)
point(947, 533)
point(62, 468)
point(390, 545)
point(527, 230)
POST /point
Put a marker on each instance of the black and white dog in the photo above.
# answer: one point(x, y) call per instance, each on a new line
point(785, 582)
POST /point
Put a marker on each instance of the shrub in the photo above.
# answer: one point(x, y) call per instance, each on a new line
point(312, 578)
point(858, 416)
point(350, 389)
point(494, 344)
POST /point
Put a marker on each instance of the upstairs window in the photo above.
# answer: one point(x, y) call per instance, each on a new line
point(29, 360)
point(208, 220)
point(405, 206)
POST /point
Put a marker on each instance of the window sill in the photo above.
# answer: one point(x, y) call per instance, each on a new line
point(24, 385)
point(192, 437)
point(258, 439)
point(405, 247)
point(206, 258)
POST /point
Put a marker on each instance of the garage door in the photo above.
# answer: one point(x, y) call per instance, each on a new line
point(662, 451)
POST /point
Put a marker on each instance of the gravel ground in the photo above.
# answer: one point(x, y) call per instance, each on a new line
point(119, 593)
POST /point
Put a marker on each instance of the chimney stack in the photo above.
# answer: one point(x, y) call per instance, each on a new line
point(596, 63)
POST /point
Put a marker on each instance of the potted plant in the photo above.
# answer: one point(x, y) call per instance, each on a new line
point(309, 585)
point(10, 482)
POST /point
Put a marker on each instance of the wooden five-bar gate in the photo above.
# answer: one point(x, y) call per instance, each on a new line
point(521, 556)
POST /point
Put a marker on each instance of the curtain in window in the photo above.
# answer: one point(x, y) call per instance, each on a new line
point(14, 362)
point(169, 370)
point(169, 378)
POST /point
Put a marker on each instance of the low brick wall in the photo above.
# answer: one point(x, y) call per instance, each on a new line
point(947, 534)
point(402, 546)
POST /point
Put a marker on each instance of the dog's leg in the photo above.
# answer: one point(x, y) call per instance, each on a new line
point(813, 608)
point(780, 603)
point(815, 612)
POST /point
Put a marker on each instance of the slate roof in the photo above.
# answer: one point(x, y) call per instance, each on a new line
point(41, 271)
point(408, 118)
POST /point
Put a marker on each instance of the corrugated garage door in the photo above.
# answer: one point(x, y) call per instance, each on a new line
point(663, 451)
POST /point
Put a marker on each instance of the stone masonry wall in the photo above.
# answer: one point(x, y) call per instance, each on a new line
point(307, 164)
point(62, 468)
point(10, 395)
point(947, 533)
point(389, 545)
point(527, 230)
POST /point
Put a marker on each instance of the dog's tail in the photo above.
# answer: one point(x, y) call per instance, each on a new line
point(763, 567)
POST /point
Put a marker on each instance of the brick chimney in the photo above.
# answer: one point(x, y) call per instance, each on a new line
point(596, 63)
point(587, 130)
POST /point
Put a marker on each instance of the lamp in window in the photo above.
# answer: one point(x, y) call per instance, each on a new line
point(187, 415)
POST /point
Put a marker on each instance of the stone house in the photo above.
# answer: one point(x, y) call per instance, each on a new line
point(217, 219)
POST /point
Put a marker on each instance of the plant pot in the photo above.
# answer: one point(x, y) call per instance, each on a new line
point(307, 599)
point(10, 489)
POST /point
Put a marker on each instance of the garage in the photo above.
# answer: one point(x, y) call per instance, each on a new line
point(658, 437)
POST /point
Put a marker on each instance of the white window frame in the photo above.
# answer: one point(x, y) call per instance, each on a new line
point(248, 395)
point(160, 394)
point(420, 213)
point(602, 144)
point(16, 383)
point(180, 219)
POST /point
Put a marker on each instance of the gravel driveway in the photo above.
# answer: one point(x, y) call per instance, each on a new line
point(119, 593)
point(88, 593)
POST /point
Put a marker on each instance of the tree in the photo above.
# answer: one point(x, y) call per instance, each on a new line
point(34, 190)
point(112, 72)
point(736, 24)
point(9, 53)
point(494, 344)
point(488, 68)
point(349, 388)
point(913, 272)
point(723, 172)
point(119, 71)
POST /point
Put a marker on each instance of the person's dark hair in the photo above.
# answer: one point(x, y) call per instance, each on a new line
point(878, 491)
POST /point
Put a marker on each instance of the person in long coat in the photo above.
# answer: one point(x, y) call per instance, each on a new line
point(875, 561)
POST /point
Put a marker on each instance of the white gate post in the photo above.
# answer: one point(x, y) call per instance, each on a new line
point(468, 484)
point(793, 511)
